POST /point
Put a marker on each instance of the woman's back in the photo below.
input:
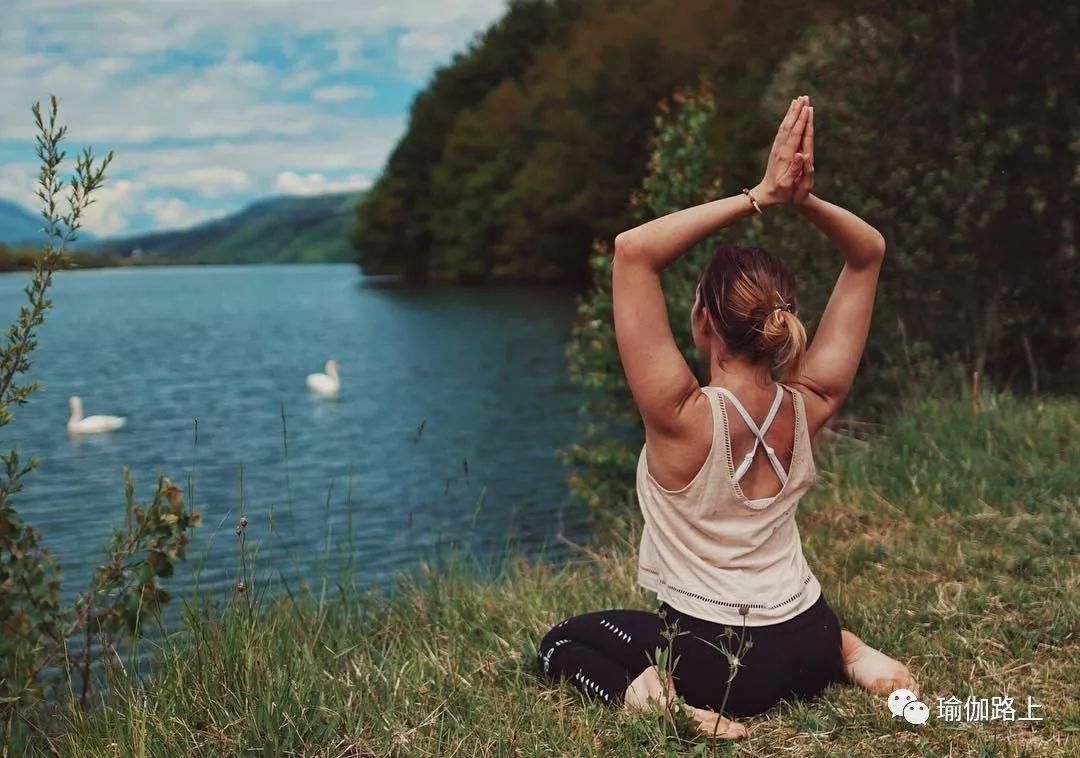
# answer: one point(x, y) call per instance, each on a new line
point(761, 480)
point(720, 552)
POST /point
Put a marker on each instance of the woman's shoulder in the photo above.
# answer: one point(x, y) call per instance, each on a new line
point(672, 459)
point(816, 407)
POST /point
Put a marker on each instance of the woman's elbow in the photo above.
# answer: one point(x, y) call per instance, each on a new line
point(626, 245)
point(879, 246)
point(874, 251)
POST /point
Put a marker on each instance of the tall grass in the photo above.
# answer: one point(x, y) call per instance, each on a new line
point(947, 538)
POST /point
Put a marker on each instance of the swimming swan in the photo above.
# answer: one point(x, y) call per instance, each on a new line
point(91, 424)
point(328, 384)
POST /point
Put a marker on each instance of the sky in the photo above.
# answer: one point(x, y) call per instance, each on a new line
point(210, 104)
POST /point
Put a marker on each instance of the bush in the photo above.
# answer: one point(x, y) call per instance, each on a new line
point(40, 636)
point(677, 177)
point(923, 135)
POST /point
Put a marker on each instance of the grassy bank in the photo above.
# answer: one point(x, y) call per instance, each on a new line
point(948, 539)
point(25, 258)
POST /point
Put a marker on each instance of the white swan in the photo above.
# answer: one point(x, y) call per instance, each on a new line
point(91, 424)
point(328, 384)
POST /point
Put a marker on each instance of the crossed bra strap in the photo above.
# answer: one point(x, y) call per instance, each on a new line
point(759, 435)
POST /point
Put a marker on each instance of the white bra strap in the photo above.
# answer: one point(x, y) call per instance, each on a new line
point(772, 414)
point(783, 475)
point(779, 469)
point(759, 435)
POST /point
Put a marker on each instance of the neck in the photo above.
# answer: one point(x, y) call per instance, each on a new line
point(738, 374)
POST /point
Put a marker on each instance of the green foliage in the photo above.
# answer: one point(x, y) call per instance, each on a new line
point(992, 463)
point(24, 257)
point(525, 149)
point(125, 591)
point(677, 177)
point(17, 259)
point(924, 136)
point(970, 170)
point(37, 632)
point(396, 228)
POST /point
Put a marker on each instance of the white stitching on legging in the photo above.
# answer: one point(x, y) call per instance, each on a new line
point(547, 656)
point(616, 631)
point(590, 684)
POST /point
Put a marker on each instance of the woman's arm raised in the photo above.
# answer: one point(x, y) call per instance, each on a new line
point(833, 357)
point(659, 378)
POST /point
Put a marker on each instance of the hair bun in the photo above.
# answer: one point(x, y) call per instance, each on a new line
point(783, 339)
point(751, 300)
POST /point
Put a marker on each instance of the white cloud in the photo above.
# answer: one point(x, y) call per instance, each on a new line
point(17, 183)
point(299, 79)
point(340, 93)
point(113, 206)
point(174, 213)
point(291, 183)
point(208, 181)
point(420, 49)
point(119, 88)
point(347, 49)
point(228, 99)
point(211, 103)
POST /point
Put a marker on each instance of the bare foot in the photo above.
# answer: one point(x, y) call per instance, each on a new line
point(712, 724)
point(873, 670)
point(648, 691)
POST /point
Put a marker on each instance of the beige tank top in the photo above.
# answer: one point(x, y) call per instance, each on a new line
point(710, 552)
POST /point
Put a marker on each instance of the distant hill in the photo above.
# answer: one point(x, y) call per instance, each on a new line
point(16, 223)
point(274, 230)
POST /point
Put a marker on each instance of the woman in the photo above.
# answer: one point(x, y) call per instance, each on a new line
point(742, 622)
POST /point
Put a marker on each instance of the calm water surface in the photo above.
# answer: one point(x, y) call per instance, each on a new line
point(453, 404)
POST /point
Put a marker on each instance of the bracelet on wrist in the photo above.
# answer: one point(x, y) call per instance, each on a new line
point(753, 200)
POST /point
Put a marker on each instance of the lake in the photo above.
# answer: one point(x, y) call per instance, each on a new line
point(453, 404)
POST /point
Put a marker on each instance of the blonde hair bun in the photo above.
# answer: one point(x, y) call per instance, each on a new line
point(752, 302)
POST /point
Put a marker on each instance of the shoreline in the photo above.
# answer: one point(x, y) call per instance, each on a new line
point(78, 262)
point(960, 572)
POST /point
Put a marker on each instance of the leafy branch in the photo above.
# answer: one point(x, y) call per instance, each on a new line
point(36, 633)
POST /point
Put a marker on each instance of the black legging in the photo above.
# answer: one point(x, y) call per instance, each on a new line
point(601, 653)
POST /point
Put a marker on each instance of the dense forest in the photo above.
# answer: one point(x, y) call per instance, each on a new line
point(953, 127)
point(526, 147)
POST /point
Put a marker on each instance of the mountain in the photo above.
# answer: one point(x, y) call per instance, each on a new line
point(274, 230)
point(16, 223)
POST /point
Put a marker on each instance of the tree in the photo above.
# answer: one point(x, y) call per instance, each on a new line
point(394, 231)
point(678, 176)
point(969, 169)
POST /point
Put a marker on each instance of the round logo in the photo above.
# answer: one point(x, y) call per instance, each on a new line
point(916, 712)
point(905, 703)
point(899, 699)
